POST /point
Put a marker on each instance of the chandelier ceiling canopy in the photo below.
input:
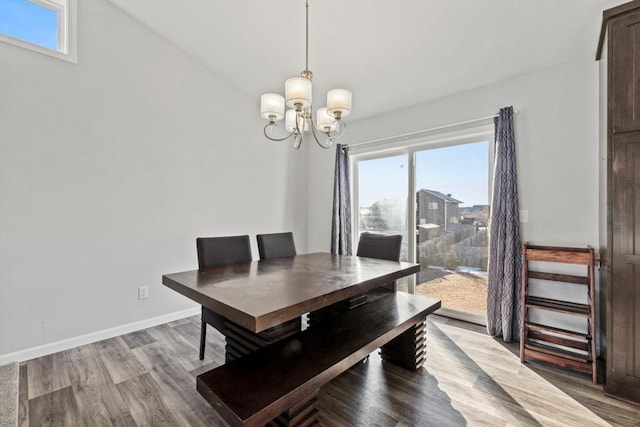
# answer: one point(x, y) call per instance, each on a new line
point(299, 119)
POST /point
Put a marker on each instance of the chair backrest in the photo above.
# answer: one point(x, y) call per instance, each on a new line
point(221, 251)
point(276, 245)
point(381, 246)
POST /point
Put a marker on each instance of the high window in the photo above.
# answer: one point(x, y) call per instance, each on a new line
point(45, 26)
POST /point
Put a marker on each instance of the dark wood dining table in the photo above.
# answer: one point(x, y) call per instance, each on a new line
point(263, 294)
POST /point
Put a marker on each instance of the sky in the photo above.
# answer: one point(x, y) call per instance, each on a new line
point(30, 22)
point(462, 170)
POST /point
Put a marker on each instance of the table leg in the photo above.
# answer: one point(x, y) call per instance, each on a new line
point(241, 341)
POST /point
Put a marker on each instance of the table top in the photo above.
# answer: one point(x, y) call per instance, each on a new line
point(262, 294)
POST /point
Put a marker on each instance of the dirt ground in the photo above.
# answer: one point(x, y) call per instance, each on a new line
point(458, 291)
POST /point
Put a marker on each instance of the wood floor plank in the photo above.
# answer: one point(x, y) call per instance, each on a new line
point(118, 359)
point(152, 355)
point(85, 367)
point(102, 405)
point(138, 338)
point(47, 374)
point(57, 408)
point(184, 351)
point(176, 380)
point(468, 378)
point(147, 403)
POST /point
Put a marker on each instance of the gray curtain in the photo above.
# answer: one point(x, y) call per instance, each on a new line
point(341, 224)
point(503, 288)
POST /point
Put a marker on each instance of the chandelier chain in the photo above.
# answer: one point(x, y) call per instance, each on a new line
point(307, 36)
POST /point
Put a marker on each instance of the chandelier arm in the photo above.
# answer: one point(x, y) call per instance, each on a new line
point(313, 132)
point(343, 127)
point(276, 139)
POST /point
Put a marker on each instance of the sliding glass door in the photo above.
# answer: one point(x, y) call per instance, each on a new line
point(437, 197)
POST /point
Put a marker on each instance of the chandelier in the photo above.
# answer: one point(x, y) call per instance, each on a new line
point(328, 124)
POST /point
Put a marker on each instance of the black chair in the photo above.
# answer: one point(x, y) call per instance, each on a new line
point(219, 252)
point(381, 246)
point(276, 245)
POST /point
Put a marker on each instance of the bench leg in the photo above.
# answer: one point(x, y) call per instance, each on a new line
point(302, 414)
point(409, 349)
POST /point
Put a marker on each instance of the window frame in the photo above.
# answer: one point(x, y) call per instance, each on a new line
point(67, 24)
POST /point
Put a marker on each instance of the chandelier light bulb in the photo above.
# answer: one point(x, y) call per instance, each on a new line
point(297, 90)
point(272, 106)
point(290, 122)
point(339, 101)
point(324, 121)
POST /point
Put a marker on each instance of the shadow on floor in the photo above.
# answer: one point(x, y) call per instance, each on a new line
point(374, 393)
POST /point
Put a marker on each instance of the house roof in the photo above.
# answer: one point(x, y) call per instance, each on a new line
point(445, 197)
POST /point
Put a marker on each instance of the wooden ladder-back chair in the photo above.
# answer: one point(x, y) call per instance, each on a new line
point(564, 347)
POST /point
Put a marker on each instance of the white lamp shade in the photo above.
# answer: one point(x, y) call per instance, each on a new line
point(297, 90)
point(339, 100)
point(290, 122)
point(324, 121)
point(272, 106)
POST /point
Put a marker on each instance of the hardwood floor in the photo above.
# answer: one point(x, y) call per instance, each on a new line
point(148, 378)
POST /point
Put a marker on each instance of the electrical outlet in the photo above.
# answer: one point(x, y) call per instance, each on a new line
point(143, 292)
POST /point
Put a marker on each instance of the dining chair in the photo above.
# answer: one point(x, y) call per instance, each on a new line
point(219, 252)
point(276, 245)
point(381, 246)
point(279, 245)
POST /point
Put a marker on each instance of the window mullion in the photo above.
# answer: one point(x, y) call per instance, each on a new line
point(411, 207)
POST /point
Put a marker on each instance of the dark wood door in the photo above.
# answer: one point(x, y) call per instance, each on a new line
point(624, 72)
point(623, 204)
point(623, 377)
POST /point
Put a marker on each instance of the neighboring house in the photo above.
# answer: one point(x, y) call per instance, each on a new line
point(475, 215)
point(436, 208)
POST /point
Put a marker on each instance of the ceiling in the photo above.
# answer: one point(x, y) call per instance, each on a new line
point(390, 54)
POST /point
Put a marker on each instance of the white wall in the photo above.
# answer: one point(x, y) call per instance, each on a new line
point(557, 149)
point(109, 169)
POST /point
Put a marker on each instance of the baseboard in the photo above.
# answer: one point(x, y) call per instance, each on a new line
point(54, 347)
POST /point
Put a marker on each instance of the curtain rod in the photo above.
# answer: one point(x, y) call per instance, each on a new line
point(418, 132)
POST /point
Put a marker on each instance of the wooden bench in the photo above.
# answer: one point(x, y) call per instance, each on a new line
point(278, 384)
